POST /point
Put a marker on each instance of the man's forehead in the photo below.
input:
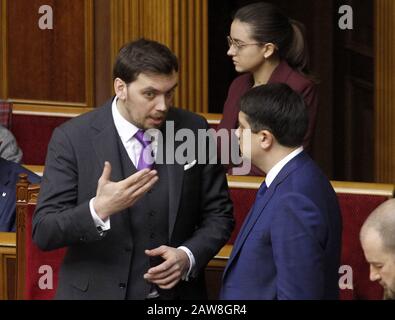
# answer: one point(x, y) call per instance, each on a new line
point(157, 81)
point(150, 76)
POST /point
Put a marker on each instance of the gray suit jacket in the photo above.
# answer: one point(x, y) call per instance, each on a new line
point(9, 149)
point(200, 210)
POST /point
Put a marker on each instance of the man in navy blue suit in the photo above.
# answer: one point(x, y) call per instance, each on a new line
point(9, 172)
point(289, 245)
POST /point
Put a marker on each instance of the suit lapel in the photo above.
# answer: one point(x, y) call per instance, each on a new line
point(250, 221)
point(175, 175)
point(259, 206)
point(105, 142)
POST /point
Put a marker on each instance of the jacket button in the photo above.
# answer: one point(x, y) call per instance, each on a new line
point(122, 285)
point(152, 235)
point(152, 213)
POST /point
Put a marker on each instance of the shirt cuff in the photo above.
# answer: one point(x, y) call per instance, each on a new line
point(99, 223)
point(192, 262)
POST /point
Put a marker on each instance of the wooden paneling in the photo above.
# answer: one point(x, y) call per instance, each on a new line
point(385, 91)
point(353, 106)
point(7, 266)
point(3, 83)
point(102, 56)
point(182, 26)
point(53, 65)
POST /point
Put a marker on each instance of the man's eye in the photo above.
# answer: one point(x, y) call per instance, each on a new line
point(169, 94)
point(149, 95)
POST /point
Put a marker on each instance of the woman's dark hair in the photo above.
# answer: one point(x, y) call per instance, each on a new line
point(279, 109)
point(269, 24)
point(143, 56)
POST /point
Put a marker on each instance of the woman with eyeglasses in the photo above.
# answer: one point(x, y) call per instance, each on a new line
point(268, 47)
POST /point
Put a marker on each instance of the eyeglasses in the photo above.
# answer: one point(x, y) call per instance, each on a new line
point(240, 45)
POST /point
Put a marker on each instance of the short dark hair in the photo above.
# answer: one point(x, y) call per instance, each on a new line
point(278, 109)
point(143, 56)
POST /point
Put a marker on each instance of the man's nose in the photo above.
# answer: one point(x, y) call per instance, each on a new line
point(161, 104)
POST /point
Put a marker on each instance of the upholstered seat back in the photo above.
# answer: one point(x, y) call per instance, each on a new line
point(37, 270)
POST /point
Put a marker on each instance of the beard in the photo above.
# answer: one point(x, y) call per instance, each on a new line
point(389, 294)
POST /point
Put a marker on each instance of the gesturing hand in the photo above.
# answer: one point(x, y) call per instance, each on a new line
point(112, 197)
point(168, 273)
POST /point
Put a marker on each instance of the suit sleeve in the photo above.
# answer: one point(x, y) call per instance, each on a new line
point(298, 236)
point(59, 219)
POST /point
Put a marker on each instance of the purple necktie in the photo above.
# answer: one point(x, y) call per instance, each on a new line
point(146, 160)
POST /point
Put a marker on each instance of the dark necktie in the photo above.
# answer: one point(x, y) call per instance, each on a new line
point(262, 189)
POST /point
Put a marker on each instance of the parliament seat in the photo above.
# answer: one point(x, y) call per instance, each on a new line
point(37, 271)
point(357, 201)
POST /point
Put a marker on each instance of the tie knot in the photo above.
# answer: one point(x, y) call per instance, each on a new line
point(139, 135)
point(262, 189)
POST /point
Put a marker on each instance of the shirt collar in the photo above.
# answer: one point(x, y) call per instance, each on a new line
point(273, 172)
point(125, 129)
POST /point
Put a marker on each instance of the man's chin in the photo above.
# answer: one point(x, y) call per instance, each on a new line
point(154, 124)
point(389, 294)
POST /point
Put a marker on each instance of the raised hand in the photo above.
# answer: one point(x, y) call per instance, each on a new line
point(112, 197)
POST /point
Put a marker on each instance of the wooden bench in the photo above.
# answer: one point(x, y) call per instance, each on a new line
point(356, 200)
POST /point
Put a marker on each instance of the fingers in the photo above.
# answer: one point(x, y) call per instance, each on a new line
point(106, 174)
point(166, 283)
point(139, 183)
point(144, 185)
point(157, 251)
point(137, 177)
point(162, 274)
point(165, 279)
point(170, 285)
point(168, 273)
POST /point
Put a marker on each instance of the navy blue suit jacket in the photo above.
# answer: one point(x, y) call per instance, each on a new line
point(289, 245)
point(9, 172)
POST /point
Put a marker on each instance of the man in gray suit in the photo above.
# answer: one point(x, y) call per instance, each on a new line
point(9, 149)
point(134, 230)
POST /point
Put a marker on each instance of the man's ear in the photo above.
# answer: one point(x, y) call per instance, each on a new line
point(269, 50)
point(266, 139)
point(120, 88)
